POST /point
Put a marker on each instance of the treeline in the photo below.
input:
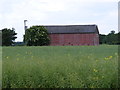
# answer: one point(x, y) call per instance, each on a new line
point(38, 36)
point(112, 38)
point(34, 36)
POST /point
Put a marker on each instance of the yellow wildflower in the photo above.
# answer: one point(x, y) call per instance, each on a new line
point(95, 70)
point(110, 57)
point(106, 58)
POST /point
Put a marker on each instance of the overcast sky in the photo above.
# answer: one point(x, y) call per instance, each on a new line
point(103, 13)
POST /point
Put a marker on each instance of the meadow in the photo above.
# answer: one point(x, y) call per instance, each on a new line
point(60, 67)
point(0, 67)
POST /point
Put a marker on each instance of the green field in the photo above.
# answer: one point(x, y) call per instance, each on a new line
point(60, 67)
point(0, 67)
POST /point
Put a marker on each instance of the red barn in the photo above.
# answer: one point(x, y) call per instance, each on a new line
point(73, 35)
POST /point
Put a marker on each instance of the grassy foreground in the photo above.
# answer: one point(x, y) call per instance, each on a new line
point(60, 67)
point(0, 67)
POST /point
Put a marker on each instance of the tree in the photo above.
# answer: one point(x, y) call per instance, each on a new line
point(36, 36)
point(112, 38)
point(8, 36)
point(102, 39)
point(112, 32)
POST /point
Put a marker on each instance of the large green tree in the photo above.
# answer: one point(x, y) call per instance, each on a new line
point(36, 36)
point(8, 36)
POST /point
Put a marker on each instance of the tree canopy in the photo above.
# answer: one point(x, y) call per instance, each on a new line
point(36, 36)
point(8, 36)
point(111, 38)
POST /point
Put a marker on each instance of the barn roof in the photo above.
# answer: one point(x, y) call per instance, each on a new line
point(63, 29)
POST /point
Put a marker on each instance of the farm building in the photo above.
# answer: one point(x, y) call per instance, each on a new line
point(73, 35)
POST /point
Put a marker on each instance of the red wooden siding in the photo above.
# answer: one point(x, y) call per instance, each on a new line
point(74, 39)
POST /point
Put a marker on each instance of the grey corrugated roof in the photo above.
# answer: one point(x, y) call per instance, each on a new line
point(57, 29)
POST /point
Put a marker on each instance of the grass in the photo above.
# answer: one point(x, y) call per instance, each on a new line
point(0, 67)
point(60, 67)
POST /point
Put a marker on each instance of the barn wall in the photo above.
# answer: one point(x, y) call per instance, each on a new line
point(74, 39)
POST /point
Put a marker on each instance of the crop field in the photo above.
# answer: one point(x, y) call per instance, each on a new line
point(60, 67)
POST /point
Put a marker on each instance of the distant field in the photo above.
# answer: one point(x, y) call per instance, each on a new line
point(60, 67)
